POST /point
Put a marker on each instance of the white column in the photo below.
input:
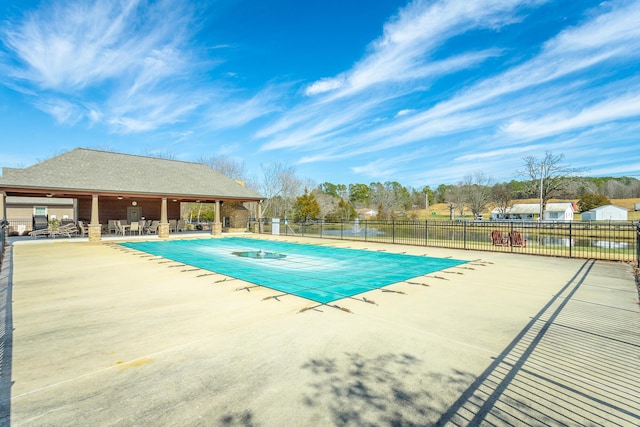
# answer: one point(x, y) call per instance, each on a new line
point(163, 212)
point(216, 228)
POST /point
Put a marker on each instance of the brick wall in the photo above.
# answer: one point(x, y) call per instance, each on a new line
point(237, 215)
point(112, 208)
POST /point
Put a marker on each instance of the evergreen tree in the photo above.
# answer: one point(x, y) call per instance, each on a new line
point(306, 207)
point(589, 201)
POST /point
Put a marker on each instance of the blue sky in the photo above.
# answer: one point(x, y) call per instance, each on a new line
point(347, 91)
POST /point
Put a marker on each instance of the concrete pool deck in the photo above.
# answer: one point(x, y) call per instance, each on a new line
point(100, 334)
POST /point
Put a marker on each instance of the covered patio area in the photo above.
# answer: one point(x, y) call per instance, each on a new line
point(108, 186)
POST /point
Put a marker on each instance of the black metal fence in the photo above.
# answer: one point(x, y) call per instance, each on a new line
point(3, 237)
point(19, 226)
point(618, 241)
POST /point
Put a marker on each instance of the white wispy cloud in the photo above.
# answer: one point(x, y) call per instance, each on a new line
point(64, 112)
point(323, 85)
point(230, 111)
point(402, 55)
point(524, 107)
point(404, 112)
point(611, 110)
point(123, 52)
point(404, 50)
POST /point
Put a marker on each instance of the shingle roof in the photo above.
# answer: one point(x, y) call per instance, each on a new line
point(534, 208)
point(609, 207)
point(91, 170)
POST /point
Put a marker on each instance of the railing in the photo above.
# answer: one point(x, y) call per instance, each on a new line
point(610, 240)
point(19, 226)
point(3, 238)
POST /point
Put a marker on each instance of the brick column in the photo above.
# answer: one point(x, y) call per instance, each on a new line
point(163, 227)
point(95, 229)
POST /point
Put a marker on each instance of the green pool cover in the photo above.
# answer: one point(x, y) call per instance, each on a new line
point(318, 273)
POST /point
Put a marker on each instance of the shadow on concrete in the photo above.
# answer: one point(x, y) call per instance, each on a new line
point(240, 419)
point(389, 389)
point(6, 336)
point(575, 363)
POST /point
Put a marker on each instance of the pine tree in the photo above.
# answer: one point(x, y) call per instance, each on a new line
point(306, 207)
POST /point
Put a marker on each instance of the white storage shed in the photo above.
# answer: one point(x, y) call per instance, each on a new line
point(606, 213)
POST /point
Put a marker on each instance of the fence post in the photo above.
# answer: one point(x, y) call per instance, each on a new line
point(342, 230)
point(638, 243)
point(426, 232)
point(366, 228)
point(464, 235)
point(570, 240)
point(4, 227)
point(393, 231)
point(510, 234)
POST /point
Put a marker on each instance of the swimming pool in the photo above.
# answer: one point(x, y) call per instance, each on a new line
point(318, 273)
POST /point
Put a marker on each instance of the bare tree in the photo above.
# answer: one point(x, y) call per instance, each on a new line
point(455, 197)
point(227, 166)
point(614, 189)
point(280, 187)
point(326, 201)
point(167, 155)
point(634, 188)
point(234, 169)
point(501, 195)
point(584, 186)
point(550, 175)
point(392, 196)
point(476, 191)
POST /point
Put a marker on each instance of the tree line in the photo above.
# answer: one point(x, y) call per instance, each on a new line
point(550, 177)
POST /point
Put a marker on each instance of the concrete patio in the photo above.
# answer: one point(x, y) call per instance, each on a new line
point(97, 334)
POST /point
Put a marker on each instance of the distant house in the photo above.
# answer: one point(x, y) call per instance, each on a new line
point(555, 211)
point(606, 213)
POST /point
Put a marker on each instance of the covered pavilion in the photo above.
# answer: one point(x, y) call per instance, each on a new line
point(107, 185)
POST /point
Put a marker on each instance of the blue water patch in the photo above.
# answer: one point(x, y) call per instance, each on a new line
point(319, 273)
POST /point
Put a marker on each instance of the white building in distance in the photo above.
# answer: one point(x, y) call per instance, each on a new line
point(606, 213)
point(555, 211)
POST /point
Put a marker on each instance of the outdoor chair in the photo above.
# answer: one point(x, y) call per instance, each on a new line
point(41, 232)
point(120, 229)
point(516, 239)
point(112, 226)
point(498, 239)
point(153, 228)
point(173, 224)
point(83, 228)
point(68, 230)
point(134, 228)
point(181, 225)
